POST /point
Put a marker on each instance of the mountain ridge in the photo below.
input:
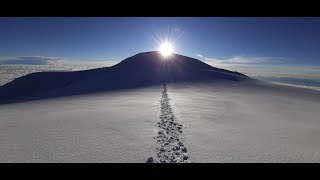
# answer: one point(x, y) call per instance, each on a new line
point(139, 70)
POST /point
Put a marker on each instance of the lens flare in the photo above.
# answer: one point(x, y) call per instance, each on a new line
point(166, 49)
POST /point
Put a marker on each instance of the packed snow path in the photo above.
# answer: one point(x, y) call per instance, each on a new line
point(171, 149)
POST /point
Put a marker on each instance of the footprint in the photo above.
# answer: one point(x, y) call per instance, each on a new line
point(171, 148)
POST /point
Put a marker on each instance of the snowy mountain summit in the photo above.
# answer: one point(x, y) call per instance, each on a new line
point(143, 69)
point(175, 68)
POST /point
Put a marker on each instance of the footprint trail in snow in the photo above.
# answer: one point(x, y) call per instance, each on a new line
point(171, 149)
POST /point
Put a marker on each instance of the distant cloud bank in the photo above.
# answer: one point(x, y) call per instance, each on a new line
point(42, 60)
point(29, 60)
point(199, 55)
point(244, 60)
point(14, 67)
point(272, 69)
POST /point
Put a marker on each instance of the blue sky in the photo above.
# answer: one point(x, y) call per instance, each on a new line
point(275, 49)
point(289, 41)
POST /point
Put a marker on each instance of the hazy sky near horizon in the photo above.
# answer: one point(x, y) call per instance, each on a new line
point(247, 40)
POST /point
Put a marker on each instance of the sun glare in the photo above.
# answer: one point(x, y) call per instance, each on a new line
point(166, 49)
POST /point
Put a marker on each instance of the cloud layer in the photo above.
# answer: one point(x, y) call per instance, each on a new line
point(29, 60)
point(14, 67)
point(244, 60)
point(42, 60)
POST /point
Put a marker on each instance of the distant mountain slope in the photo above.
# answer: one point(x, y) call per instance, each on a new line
point(140, 70)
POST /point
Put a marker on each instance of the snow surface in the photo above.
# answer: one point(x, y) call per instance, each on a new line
point(113, 127)
point(232, 122)
point(249, 123)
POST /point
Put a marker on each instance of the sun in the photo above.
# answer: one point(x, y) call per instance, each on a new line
point(166, 49)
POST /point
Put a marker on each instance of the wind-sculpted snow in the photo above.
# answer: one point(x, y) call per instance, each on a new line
point(171, 149)
point(222, 122)
point(115, 127)
point(246, 122)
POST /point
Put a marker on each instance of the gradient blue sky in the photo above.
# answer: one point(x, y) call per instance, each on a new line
point(292, 41)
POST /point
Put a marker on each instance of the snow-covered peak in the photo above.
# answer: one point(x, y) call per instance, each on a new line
point(140, 70)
